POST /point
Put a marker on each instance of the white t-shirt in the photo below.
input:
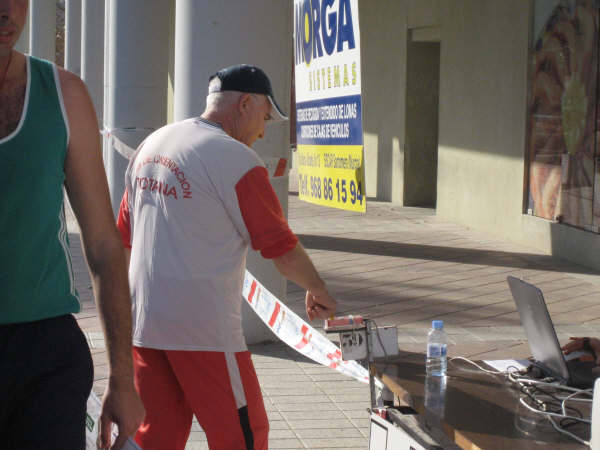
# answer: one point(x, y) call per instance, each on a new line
point(195, 199)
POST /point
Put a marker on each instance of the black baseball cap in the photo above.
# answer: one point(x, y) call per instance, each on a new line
point(246, 78)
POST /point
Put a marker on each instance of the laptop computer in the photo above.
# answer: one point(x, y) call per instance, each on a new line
point(542, 339)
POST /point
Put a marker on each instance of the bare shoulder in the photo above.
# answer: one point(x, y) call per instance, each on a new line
point(76, 97)
point(81, 115)
point(69, 82)
point(85, 180)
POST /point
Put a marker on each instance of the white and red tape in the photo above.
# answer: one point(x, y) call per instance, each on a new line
point(295, 332)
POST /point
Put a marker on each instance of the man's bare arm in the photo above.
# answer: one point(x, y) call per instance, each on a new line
point(296, 266)
point(127, 257)
point(86, 186)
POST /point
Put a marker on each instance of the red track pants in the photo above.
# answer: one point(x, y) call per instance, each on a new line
point(220, 389)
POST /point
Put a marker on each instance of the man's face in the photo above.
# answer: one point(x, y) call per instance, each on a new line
point(12, 20)
point(252, 122)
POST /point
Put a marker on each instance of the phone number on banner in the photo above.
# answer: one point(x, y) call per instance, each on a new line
point(332, 176)
point(331, 189)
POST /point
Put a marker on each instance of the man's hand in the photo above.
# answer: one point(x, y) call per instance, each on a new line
point(585, 344)
point(319, 304)
point(295, 265)
point(120, 405)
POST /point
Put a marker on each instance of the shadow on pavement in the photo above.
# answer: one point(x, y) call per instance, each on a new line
point(440, 253)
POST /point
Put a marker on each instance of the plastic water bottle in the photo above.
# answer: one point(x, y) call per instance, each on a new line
point(435, 394)
point(436, 349)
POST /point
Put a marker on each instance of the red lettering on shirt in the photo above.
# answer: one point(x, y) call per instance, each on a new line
point(156, 186)
point(174, 169)
point(171, 191)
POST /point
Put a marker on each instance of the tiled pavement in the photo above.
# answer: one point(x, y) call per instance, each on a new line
point(398, 266)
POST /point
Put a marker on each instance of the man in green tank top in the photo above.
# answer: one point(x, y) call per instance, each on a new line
point(49, 139)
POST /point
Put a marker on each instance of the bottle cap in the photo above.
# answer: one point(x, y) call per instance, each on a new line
point(437, 324)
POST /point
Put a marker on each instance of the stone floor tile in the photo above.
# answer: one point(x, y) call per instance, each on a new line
point(308, 434)
point(308, 415)
point(306, 399)
point(303, 389)
point(343, 443)
point(359, 413)
point(297, 424)
point(279, 425)
point(282, 434)
point(285, 444)
point(363, 396)
point(324, 405)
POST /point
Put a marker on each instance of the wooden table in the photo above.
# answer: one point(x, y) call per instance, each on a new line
point(480, 411)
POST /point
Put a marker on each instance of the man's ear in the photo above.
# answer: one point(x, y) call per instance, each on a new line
point(244, 103)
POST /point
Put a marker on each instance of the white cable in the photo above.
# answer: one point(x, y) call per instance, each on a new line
point(530, 384)
point(520, 379)
point(551, 414)
point(571, 397)
point(520, 376)
point(563, 431)
point(558, 397)
point(543, 383)
point(495, 372)
point(378, 336)
point(583, 400)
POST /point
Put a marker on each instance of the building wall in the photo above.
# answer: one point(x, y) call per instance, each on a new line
point(484, 54)
point(385, 25)
point(383, 56)
point(482, 120)
point(482, 128)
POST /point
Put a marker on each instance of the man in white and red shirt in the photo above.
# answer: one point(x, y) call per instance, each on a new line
point(196, 197)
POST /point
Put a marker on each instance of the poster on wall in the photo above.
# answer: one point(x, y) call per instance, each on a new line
point(329, 133)
point(563, 99)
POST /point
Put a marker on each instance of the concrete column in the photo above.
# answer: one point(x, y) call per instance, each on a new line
point(199, 24)
point(73, 36)
point(23, 42)
point(138, 41)
point(42, 29)
point(92, 51)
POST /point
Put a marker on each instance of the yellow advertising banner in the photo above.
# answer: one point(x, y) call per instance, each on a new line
point(332, 176)
point(329, 129)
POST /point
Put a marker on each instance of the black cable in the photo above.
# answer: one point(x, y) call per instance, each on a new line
point(566, 423)
point(554, 406)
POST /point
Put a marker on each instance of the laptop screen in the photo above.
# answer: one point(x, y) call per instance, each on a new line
point(538, 327)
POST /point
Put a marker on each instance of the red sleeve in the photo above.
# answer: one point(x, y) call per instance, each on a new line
point(262, 214)
point(123, 223)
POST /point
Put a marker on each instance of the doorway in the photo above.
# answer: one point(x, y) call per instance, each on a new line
point(422, 105)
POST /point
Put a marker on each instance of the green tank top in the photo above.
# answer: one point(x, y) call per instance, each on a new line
point(36, 277)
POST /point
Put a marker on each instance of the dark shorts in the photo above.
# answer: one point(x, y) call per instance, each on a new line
point(46, 376)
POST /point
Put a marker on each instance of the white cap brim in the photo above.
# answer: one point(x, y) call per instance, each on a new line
point(277, 115)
